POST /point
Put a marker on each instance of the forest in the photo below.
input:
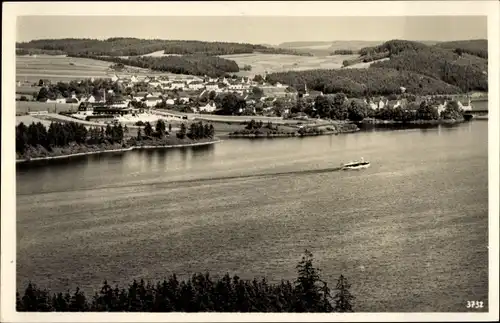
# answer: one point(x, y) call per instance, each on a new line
point(476, 47)
point(468, 72)
point(38, 51)
point(392, 47)
point(62, 135)
point(364, 82)
point(421, 69)
point(202, 293)
point(460, 63)
point(119, 46)
point(201, 65)
point(343, 52)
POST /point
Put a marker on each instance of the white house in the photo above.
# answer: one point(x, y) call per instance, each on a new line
point(196, 85)
point(152, 101)
point(371, 104)
point(120, 104)
point(89, 99)
point(212, 86)
point(114, 78)
point(210, 107)
point(134, 79)
point(154, 84)
point(467, 107)
point(184, 100)
point(238, 86)
point(60, 99)
point(442, 107)
point(177, 85)
point(170, 102)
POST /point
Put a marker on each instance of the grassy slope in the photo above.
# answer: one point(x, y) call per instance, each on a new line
point(278, 63)
point(58, 68)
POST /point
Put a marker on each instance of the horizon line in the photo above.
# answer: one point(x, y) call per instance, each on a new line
point(252, 43)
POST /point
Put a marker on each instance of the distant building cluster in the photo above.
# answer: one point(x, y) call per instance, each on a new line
point(198, 94)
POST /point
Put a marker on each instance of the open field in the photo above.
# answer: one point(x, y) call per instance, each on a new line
point(27, 120)
point(366, 65)
point(280, 63)
point(27, 89)
point(59, 69)
point(330, 45)
point(23, 107)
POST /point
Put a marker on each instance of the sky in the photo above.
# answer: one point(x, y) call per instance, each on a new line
point(254, 29)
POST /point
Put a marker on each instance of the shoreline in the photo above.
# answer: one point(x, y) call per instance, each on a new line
point(21, 161)
point(414, 122)
point(296, 135)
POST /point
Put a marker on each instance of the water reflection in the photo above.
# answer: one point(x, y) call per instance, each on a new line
point(207, 150)
point(162, 155)
point(184, 152)
point(424, 128)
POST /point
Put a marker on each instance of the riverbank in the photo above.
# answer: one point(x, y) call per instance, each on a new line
point(414, 122)
point(285, 135)
point(68, 152)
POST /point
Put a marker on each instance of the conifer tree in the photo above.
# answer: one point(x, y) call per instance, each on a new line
point(307, 289)
point(148, 129)
point(343, 298)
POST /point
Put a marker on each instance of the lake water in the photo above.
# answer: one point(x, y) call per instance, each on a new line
point(410, 233)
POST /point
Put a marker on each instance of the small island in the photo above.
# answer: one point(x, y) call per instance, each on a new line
point(257, 129)
point(69, 139)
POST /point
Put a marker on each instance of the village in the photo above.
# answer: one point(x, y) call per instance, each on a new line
point(135, 99)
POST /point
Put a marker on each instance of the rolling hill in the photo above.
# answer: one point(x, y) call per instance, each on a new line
point(442, 68)
point(120, 46)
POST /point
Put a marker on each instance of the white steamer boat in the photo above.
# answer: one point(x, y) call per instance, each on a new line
point(360, 164)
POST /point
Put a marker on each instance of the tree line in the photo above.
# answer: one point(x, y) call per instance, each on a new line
point(202, 293)
point(343, 52)
point(82, 87)
point(62, 134)
point(120, 46)
point(195, 64)
point(197, 130)
point(38, 51)
point(339, 107)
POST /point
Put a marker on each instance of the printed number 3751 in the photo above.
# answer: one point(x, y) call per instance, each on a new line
point(475, 304)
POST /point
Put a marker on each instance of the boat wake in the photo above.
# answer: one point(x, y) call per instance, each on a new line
point(166, 184)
